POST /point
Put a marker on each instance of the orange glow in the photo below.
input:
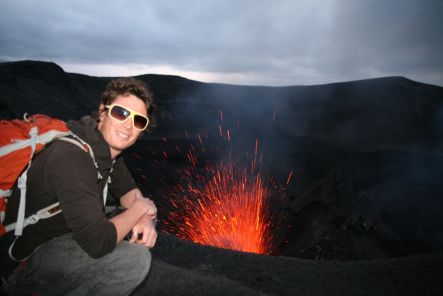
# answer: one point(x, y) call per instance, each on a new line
point(225, 204)
point(229, 211)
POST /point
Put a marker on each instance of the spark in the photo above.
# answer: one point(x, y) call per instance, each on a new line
point(192, 159)
point(289, 178)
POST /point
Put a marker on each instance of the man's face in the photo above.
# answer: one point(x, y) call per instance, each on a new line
point(121, 135)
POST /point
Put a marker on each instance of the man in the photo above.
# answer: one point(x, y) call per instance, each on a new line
point(81, 251)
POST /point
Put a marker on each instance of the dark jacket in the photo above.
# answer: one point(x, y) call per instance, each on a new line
point(64, 172)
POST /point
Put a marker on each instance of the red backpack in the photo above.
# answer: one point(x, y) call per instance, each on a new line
point(20, 141)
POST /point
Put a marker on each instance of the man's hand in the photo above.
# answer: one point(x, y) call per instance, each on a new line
point(144, 232)
point(146, 204)
point(138, 217)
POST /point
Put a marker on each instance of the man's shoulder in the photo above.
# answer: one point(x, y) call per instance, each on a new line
point(63, 161)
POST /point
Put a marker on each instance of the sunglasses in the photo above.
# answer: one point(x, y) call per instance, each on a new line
point(121, 114)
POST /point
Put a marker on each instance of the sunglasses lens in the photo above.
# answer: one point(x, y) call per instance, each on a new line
point(119, 113)
point(140, 122)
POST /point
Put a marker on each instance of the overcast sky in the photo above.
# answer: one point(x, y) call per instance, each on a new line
point(243, 42)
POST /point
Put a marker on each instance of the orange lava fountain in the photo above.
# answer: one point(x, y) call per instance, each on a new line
point(224, 204)
point(229, 211)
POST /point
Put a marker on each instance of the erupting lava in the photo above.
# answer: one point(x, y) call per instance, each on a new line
point(228, 211)
point(223, 204)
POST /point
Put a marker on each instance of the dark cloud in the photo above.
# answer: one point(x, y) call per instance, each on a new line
point(286, 42)
point(390, 37)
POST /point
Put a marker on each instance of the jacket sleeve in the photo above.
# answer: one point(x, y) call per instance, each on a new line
point(71, 176)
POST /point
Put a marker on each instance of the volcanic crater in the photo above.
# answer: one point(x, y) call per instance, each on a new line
point(351, 172)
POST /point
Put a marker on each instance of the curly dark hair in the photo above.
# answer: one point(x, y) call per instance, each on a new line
point(130, 86)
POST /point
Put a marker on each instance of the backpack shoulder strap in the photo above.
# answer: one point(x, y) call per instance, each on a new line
point(53, 209)
point(76, 140)
point(79, 142)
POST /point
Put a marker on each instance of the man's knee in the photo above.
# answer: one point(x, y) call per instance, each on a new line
point(144, 259)
point(139, 261)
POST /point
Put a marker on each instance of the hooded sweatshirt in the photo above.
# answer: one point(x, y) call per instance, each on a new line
point(65, 173)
